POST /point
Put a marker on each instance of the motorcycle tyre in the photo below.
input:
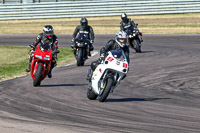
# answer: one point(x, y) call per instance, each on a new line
point(137, 46)
point(38, 75)
point(91, 95)
point(80, 61)
point(131, 44)
point(106, 90)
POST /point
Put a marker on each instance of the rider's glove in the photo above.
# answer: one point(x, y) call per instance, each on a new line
point(102, 57)
point(100, 60)
point(72, 39)
point(32, 46)
point(91, 41)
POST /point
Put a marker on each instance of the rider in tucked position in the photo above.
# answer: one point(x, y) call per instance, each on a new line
point(84, 28)
point(119, 42)
point(126, 22)
point(47, 37)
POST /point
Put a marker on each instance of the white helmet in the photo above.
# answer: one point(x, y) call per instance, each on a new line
point(121, 38)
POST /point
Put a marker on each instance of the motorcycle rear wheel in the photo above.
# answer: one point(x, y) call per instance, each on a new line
point(106, 90)
point(38, 75)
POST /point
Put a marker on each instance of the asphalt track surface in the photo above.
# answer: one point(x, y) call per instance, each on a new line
point(161, 93)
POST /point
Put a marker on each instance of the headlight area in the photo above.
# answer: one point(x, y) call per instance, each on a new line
point(38, 56)
point(46, 58)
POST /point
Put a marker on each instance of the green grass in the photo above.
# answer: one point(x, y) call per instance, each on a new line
point(14, 60)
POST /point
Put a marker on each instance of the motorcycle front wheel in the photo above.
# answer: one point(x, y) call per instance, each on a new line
point(80, 61)
point(102, 97)
point(38, 75)
point(137, 46)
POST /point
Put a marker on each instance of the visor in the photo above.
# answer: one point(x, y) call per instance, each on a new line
point(49, 33)
point(84, 23)
point(122, 40)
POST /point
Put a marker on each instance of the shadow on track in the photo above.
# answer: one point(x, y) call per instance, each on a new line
point(56, 85)
point(84, 66)
point(134, 99)
point(147, 51)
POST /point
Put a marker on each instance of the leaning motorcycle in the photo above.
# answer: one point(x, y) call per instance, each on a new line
point(81, 48)
point(41, 62)
point(107, 75)
point(134, 38)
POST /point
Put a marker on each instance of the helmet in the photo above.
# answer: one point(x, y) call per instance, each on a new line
point(84, 22)
point(124, 17)
point(121, 38)
point(48, 31)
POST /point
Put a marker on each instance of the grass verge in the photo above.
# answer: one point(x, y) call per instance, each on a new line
point(169, 23)
point(14, 60)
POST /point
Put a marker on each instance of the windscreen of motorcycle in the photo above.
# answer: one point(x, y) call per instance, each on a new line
point(130, 30)
point(82, 37)
point(45, 46)
point(118, 54)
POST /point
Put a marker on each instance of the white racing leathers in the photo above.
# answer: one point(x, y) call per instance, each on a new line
point(107, 75)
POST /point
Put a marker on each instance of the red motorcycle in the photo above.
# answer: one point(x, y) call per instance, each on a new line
point(41, 63)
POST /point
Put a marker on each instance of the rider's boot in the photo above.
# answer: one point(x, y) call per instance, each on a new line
point(74, 51)
point(29, 68)
point(90, 49)
point(72, 45)
point(50, 74)
point(89, 75)
point(53, 64)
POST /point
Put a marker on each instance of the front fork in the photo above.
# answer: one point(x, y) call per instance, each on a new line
point(36, 65)
point(103, 80)
point(117, 79)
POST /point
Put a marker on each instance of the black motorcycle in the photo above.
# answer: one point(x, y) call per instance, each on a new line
point(81, 48)
point(134, 38)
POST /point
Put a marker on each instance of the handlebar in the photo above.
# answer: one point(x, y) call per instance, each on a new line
point(32, 46)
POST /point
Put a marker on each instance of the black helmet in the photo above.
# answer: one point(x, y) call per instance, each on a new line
point(84, 22)
point(124, 17)
point(48, 31)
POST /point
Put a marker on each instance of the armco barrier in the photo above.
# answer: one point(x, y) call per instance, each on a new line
point(96, 8)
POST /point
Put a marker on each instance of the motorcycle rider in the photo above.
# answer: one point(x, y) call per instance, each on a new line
point(46, 37)
point(126, 22)
point(119, 42)
point(84, 28)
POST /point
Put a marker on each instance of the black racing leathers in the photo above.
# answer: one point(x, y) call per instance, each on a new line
point(43, 38)
point(111, 45)
point(82, 29)
point(87, 30)
point(128, 23)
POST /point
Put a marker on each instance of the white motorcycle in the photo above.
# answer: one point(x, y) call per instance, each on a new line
point(107, 75)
